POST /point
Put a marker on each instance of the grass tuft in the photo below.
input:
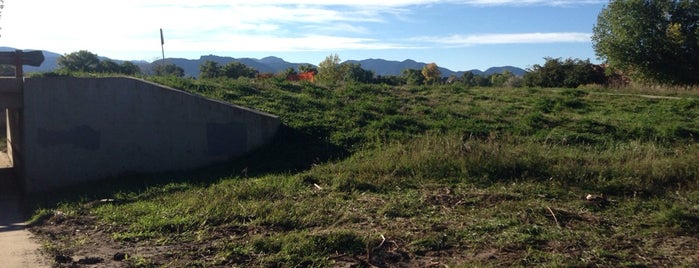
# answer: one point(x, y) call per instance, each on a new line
point(374, 175)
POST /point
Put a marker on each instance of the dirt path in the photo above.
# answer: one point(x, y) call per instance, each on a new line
point(18, 247)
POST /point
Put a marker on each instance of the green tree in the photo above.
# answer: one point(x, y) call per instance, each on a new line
point(468, 78)
point(569, 73)
point(499, 80)
point(287, 72)
point(354, 73)
point(108, 66)
point(81, 61)
point(129, 68)
point(329, 70)
point(655, 41)
point(431, 73)
point(391, 80)
point(413, 77)
point(304, 68)
point(236, 69)
point(167, 69)
point(210, 69)
point(481, 81)
point(475, 80)
point(85, 61)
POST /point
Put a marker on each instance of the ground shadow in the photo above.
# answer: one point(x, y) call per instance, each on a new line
point(11, 210)
point(290, 151)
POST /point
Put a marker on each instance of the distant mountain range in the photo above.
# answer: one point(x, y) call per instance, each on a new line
point(275, 65)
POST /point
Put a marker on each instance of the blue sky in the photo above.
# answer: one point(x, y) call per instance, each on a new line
point(455, 34)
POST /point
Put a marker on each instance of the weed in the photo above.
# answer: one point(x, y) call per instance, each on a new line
point(465, 177)
point(679, 218)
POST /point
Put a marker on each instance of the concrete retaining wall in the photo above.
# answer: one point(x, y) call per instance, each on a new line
point(82, 129)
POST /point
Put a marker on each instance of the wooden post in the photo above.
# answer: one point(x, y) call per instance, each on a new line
point(19, 58)
point(19, 73)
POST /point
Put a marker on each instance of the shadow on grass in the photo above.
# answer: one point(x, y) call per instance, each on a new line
point(290, 151)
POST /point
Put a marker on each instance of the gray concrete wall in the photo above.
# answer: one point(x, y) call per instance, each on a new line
point(82, 129)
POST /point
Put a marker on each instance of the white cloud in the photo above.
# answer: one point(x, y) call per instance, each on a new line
point(531, 2)
point(366, 3)
point(509, 38)
point(267, 43)
point(112, 28)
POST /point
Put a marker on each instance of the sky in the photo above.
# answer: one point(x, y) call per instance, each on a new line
point(456, 34)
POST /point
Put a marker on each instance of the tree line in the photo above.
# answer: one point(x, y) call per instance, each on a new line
point(88, 62)
point(553, 73)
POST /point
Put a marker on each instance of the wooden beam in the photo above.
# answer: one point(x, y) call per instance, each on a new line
point(31, 58)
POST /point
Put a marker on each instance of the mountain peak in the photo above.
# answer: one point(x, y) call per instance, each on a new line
point(272, 64)
point(386, 67)
point(272, 59)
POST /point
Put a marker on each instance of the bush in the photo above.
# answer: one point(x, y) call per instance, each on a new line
point(570, 73)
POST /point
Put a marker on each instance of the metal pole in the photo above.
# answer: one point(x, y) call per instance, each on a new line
point(162, 43)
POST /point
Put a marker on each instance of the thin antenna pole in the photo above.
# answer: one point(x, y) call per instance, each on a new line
point(162, 43)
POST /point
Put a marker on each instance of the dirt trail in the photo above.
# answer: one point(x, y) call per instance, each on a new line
point(18, 247)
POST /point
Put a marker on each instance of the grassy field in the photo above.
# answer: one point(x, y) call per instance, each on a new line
point(370, 175)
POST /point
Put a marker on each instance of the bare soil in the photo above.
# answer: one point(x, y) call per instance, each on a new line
point(85, 243)
point(81, 241)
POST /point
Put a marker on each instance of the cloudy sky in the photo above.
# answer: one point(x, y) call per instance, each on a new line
point(456, 34)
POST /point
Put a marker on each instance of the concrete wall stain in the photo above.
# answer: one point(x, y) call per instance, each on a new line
point(80, 137)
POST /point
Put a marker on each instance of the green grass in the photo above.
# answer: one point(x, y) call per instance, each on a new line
point(467, 177)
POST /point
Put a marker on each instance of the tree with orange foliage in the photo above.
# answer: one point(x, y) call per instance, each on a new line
point(431, 73)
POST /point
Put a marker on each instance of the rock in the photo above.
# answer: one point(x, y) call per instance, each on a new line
point(595, 198)
point(120, 256)
point(90, 260)
point(58, 217)
point(63, 259)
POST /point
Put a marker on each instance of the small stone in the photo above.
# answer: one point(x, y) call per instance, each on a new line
point(595, 198)
point(120, 256)
point(63, 259)
point(90, 260)
point(58, 217)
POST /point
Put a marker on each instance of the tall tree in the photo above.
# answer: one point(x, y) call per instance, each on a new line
point(210, 69)
point(654, 41)
point(108, 66)
point(355, 73)
point(236, 69)
point(499, 79)
point(83, 61)
point(569, 73)
point(128, 68)
point(166, 69)
point(468, 78)
point(413, 77)
point(431, 73)
point(329, 70)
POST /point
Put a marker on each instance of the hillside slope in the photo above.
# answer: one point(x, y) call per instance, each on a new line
point(369, 175)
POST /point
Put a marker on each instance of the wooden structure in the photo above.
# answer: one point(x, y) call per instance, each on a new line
point(11, 89)
point(19, 58)
point(12, 102)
